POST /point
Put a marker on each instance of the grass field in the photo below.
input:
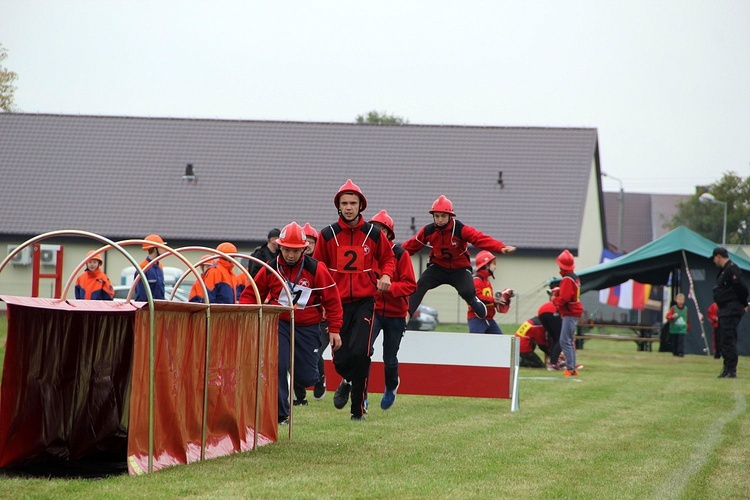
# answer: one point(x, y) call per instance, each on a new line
point(633, 425)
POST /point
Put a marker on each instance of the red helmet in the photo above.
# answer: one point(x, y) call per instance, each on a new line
point(310, 231)
point(382, 217)
point(293, 236)
point(351, 188)
point(443, 204)
point(227, 247)
point(155, 238)
point(565, 261)
point(484, 258)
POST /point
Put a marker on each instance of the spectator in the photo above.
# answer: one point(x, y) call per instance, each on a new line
point(391, 308)
point(566, 299)
point(155, 274)
point(679, 325)
point(713, 317)
point(354, 250)
point(314, 293)
point(220, 280)
point(730, 294)
point(196, 291)
point(93, 284)
point(449, 262)
point(266, 252)
point(486, 264)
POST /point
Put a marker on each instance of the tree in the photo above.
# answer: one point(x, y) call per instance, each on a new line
point(381, 118)
point(707, 219)
point(7, 88)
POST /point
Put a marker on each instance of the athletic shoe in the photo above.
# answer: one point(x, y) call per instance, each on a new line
point(553, 366)
point(389, 397)
point(732, 375)
point(283, 420)
point(479, 308)
point(341, 396)
point(319, 391)
point(365, 404)
point(571, 373)
point(300, 402)
point(724, 373)
point(360, 418)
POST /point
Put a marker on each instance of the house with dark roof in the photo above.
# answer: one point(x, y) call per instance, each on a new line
point(201, 182)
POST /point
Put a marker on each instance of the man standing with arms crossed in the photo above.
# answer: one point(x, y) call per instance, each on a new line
point(353, 249)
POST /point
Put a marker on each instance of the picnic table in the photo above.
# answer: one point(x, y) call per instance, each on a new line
point(644, 336)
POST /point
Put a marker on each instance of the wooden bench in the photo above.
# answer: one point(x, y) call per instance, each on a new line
point(643, 334)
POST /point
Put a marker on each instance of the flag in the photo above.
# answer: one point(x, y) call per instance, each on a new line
point(628, 295)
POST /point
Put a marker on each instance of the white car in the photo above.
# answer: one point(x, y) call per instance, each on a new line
point(121, 293)
point(424, 319)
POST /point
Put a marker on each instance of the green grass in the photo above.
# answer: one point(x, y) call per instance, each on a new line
point(637, 425)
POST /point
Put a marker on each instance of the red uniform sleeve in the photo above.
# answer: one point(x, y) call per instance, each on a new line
point(334, 312)
point(406, 284)
point(670, 314)
point(415, 243)
point(481, 240)
point(261, 281)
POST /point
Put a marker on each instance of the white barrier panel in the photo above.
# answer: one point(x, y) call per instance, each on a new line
point(445, 364)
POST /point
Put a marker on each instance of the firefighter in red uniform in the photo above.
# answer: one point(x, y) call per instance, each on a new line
point(450, 263)
point(319, 390)
point(93, 284)
point(567, 301)
point(354, 250)
point(313, 293)
point(536, 332)
point(391, 308)
point(486, 265)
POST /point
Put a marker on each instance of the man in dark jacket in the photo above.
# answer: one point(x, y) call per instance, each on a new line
point(266, 252)
point(730, 294)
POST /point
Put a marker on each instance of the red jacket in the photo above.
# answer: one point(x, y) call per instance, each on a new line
point(448, 244)
point(395, 302)
point(531, 333)
point(355, 256)
point(713, 315)
point(94, 286)
point(313, 292)
point(567, 300)
point(486, 294)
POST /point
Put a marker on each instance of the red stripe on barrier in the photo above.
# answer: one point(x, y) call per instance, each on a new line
point(437, 380)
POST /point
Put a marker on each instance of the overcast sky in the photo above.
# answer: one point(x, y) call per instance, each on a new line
point(665, 82)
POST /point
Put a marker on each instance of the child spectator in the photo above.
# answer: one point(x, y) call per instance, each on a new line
point(713, 317)
point(679, 325)
point(93, 284)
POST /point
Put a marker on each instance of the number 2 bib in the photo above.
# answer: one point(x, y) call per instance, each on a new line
point(350, 259)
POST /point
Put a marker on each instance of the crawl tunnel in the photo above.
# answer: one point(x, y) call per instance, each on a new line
point(152, 384)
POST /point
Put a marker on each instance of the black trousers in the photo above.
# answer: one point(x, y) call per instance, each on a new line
point(352, 360)
point(434, 276)
point(728, 338)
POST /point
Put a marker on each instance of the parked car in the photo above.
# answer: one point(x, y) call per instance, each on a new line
point(121, 293)
point(425, 318)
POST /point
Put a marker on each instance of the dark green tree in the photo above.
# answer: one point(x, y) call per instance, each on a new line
point(7, 88)
point(707, 219)
point(381, 118)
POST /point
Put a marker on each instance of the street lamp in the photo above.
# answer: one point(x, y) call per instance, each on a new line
point(708, 198)
point(620, 199)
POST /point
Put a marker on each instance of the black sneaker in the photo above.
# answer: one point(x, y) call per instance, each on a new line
point(341, 396)
point(360, 418)
point(732, 375)
point(299, 402)
point(283, 420)
point(319, 391)
point(724, 373)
